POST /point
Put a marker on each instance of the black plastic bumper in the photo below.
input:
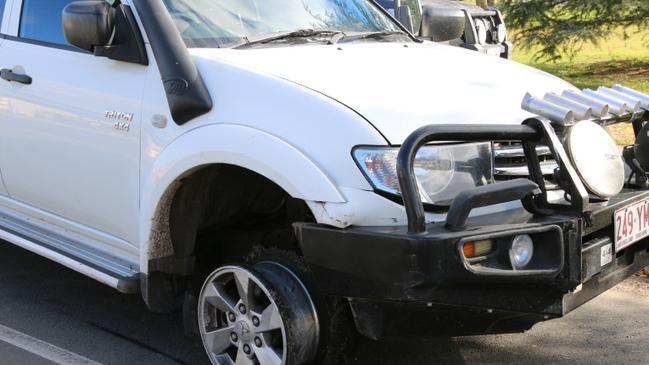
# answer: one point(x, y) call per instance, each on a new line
point(389, 274)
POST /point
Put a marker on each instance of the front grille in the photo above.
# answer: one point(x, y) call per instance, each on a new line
point(510, 162)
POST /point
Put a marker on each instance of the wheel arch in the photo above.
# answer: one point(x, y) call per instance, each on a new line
point(242, 147)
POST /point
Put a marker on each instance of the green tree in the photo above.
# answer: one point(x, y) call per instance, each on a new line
point(485, 3)
point(561, 27)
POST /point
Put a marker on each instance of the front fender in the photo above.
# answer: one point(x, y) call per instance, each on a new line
point(238, 145)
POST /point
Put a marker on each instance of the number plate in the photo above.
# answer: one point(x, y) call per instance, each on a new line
point(631, 224)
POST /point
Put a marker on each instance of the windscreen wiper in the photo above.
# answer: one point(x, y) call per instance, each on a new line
point(300, 33)
point(372, 35)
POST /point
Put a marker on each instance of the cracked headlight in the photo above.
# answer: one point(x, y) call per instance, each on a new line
point(442, 171)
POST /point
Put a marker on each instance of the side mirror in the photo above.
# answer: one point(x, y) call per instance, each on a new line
point(88, 24)
point(442, 24)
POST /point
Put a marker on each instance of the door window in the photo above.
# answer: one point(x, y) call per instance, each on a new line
point(41, 20)
point(2, 10)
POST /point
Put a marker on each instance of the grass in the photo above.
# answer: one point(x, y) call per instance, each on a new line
point(616, 60)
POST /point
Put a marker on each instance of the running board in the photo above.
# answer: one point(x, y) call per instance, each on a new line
point(111, 271)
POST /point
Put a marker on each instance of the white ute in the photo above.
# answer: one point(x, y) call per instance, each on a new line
point(292, 173)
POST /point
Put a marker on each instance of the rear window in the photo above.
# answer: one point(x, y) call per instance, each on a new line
point(2, 10)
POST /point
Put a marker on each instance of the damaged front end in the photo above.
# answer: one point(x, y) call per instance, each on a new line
point(581, 228)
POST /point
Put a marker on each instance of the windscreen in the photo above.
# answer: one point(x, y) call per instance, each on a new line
point(220, 23)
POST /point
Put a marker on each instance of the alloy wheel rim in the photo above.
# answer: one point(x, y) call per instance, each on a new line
point(239, 321)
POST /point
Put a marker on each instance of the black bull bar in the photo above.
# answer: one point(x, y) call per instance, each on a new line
point(531, 191)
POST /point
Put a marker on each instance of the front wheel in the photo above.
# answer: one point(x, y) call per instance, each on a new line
point(257, 315)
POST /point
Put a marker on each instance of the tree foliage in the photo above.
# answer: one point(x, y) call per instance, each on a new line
point(485, 3)
point(561, 27)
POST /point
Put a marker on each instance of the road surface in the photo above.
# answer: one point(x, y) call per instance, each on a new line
point(52, 315)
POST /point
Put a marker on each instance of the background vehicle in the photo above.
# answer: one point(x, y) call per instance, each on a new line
point(257, 169)
point(454, 22)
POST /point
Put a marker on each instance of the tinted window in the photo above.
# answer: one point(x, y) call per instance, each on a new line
point(2, 9)
point(41, 20)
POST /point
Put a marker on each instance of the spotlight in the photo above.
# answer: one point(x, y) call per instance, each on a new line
point(642, 147)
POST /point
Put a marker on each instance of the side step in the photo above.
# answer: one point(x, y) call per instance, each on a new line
point(77, 256)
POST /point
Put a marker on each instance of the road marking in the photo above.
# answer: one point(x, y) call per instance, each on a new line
point(43, 349)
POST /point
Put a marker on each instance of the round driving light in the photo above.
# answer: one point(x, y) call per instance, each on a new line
point(481, 30)
point(642, 147)
point(597, 159)
point(521, 252)
point(501, 33)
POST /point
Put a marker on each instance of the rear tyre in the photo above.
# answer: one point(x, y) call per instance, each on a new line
point(257, 315)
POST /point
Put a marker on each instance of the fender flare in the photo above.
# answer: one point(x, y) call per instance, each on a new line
point(232, 144)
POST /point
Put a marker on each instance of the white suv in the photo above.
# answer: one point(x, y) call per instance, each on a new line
point(285, 172)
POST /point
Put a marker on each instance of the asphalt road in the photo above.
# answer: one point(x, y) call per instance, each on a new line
point(49, 315)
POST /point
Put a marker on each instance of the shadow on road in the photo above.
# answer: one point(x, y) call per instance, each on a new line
point(37, 296)
point(425, 352)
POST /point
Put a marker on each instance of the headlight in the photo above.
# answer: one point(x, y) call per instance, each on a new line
point(441, 171)
point(596, 157)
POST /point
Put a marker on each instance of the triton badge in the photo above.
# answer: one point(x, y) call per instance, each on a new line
point(121, 116)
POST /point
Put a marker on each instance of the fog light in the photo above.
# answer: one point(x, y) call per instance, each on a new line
point(477, 248)
point(521, 252)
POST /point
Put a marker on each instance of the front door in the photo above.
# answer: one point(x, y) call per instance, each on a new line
point(4, 104)
point(70, 145)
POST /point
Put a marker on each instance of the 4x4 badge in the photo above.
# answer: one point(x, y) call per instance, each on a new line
point(122, 126)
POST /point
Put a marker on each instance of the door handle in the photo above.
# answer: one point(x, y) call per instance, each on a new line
point(9, 75)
